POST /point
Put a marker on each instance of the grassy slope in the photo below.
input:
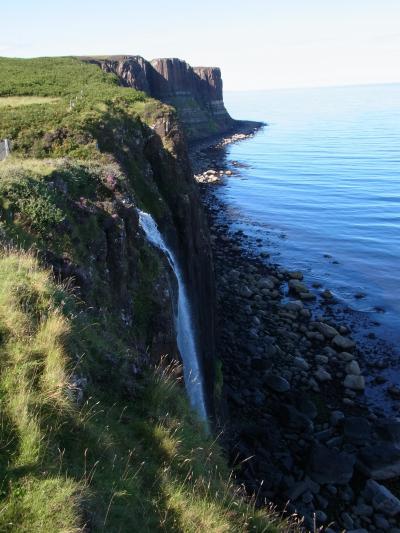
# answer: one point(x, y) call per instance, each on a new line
point(74, 452)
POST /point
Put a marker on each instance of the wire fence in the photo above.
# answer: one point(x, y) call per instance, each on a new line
point(5, 149)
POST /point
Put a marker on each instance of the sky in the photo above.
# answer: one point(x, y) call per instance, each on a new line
point(258, 44)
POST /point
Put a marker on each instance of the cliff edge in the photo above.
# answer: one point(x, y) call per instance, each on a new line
point(195, 92)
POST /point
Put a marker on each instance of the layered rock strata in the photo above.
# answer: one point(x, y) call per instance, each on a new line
point(195, 92)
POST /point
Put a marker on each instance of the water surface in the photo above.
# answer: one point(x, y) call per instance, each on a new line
point(321, 189)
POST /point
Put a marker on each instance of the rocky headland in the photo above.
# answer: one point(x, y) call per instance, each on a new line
point(195, 92)
point(290, 400)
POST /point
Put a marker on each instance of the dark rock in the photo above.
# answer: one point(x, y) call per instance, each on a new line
point(356, 383)
point(327, 331)
point(347, 521)
point(380, 461)
point(297, 287)
point(357, 430)
point(389, 430)
point(381, 523)
point(307, 407)
point(331, 466)
point(297, 490)
point(336, 417)
point(327, 295)
point(394, 392)
point(306, 296)
point(292, 418)
point(343, 343)
point(296, 274)
point(294, 307)
point(324, 435)
point(381, 498)
point(277, 383)
point(321, 517)
point(362, 509)
point(260, 364)
point(322, 375)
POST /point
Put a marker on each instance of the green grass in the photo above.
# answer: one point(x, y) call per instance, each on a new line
point(45, 76)
point(17, 101)
point(107, 462)
point(74, 108)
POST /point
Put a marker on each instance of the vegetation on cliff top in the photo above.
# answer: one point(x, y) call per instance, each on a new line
point(92, 437)
point(51, 107)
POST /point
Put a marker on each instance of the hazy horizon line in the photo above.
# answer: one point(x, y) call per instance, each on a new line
point(328, 86)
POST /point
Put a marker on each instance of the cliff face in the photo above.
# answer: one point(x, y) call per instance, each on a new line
point(196, 92)
point(186, 229)
point(103, 162)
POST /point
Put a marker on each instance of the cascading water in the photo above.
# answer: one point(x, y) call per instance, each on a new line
point(184, 326)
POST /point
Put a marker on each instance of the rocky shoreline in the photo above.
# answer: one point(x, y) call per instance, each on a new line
point(290, 385)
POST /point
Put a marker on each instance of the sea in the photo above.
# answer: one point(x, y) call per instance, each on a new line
point(318, 188)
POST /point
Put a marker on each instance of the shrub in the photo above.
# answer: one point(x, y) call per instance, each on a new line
point(35, 202)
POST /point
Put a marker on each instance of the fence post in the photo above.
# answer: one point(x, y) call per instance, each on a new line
point(7, 147)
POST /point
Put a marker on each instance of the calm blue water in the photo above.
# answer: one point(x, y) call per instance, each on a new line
point(322, 189)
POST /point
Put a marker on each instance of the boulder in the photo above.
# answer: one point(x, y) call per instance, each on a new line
point(346, 356)
point(389, 430)
point(394, 392)
point(260, 364)
point(362, 509)
point(245, 292)
point(294, 307)
point(297, 286)
point(353, 368)
point(343, 344)
point(356, 383)
point(306, 296)
point(327, 295)
point(277, 383)
point(331, 466)
point(300, 363)
point(381, 498)
point(357, 430)
point(327, 331)
point(295, 420)
point(307, 407)
point(380, 461)
point(336, 418)
point(265, 283)
point(296, 275)
point(322, 375)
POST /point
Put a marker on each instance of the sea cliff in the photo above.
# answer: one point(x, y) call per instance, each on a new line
point(97, 433)
point(195, 92)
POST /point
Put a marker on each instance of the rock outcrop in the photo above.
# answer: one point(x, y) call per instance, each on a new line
point(195, 92)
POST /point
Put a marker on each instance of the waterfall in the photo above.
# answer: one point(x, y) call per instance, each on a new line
point(184, 325)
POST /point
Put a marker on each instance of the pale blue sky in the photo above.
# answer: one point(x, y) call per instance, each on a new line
point(258, 44)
